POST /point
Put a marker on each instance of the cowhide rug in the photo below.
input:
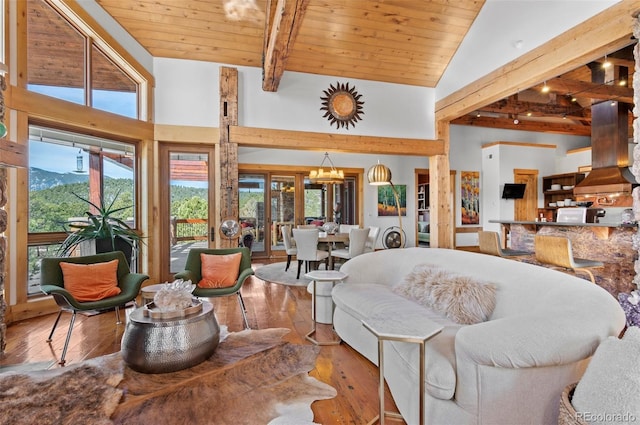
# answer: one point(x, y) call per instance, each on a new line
point(252, 378)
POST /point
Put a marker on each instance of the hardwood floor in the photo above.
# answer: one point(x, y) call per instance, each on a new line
point(269, 305)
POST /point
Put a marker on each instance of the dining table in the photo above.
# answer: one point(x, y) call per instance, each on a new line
point(330, 239)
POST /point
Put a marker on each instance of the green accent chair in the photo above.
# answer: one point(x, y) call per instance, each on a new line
point(193, 273)
point(52, 283)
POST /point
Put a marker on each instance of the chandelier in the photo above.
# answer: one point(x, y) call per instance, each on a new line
point(322, 176)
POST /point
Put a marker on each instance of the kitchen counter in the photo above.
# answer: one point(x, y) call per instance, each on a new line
point(611, 243)
point(555, 223)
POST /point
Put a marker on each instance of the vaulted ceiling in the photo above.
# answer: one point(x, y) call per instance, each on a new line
point(393, 41)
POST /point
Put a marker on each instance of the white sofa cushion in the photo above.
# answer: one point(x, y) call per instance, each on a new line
point(365, 300)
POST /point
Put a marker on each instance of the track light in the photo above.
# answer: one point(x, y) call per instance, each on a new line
point(606, 63)
point(545, 88)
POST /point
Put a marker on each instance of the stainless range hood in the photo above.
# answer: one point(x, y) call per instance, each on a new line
point(609, 146)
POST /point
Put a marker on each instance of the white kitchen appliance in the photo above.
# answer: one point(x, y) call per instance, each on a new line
point(572, 215)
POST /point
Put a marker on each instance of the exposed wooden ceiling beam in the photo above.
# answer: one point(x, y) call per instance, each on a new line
point(585, 89)
point(553, 110)
point(281, 32)
point(538, 126)
point(305, 140)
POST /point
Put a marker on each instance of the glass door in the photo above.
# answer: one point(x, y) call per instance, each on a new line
point(252, 199)
point(283, 207)
point(187, 175)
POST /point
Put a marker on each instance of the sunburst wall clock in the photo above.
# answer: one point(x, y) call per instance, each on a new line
point(342, 105)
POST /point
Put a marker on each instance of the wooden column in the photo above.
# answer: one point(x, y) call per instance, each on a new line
point(440, 194)
point(228, 184)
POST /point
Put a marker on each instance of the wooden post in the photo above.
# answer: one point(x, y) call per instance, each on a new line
point(228, 153)
point(440, 194)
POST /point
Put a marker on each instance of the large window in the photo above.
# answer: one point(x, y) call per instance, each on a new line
point(64, 169)
point(59, 55)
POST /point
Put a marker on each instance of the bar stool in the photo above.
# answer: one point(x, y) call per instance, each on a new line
point(556, 251)
point(489, 243)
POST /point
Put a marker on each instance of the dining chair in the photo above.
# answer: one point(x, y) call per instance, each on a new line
point(193, 272)
point(372, 239)
point(557, 252)
point(345, 228)
point(307, 245)
point(357, 241)
point(489, 243)
point(289, 245)
point(58, 283)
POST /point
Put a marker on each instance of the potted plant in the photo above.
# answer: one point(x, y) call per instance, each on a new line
point(109, 233)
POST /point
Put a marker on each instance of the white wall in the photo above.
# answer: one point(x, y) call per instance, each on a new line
point(187, 93)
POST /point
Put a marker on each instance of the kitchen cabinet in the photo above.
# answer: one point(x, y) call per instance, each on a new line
point(552, 195)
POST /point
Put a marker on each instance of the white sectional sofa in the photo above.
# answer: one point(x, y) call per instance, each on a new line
point(510, 369)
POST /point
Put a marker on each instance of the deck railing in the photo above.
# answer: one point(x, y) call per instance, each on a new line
point(189, 229)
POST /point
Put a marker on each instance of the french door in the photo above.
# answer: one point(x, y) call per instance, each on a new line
point(187, 194)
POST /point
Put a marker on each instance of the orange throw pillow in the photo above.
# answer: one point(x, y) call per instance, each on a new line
point(219, 271)
point(91, 282)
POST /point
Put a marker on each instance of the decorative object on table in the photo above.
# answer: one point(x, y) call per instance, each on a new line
point(257, 362)
point(174, 296)
point(342, 105)
point(330, 227)
point(331, 176)
point(470, 197)
point(380, 175)
point(109, 232)
point(628, 216)
point(631, 305)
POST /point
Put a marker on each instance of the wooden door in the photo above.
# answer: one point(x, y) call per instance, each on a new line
point(526, 209)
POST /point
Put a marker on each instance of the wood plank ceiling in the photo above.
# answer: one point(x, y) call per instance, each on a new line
point(393, 41)
point(404, 42)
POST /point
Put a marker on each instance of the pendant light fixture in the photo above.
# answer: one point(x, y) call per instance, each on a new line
point(330, 176)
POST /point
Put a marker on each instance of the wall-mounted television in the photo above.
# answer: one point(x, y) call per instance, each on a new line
point(513, 190)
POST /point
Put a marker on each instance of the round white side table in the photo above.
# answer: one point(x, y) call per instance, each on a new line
point(316, 276)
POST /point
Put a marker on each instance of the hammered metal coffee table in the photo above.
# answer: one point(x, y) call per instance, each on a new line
point(151, 345)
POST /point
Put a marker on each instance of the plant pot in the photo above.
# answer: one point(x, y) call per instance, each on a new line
point(104, 245)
